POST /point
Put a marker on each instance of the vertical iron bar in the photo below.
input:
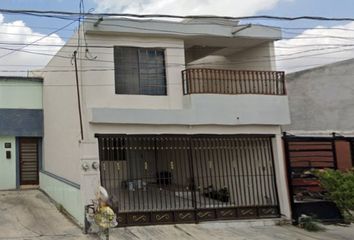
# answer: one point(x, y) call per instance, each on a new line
point(260, 174)
point(178, 170)
point(269, 167)
point(254, 170)
point(232, 163)
point(265, 171)
point(249, 171)
point(238, 168)
point(192, 176)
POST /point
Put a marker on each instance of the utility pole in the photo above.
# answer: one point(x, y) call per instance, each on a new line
point(78, 95)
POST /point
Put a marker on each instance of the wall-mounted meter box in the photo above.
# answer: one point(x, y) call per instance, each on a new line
point(8, 154)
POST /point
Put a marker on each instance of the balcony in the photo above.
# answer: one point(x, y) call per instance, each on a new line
point(214, 97)
point(218, 81)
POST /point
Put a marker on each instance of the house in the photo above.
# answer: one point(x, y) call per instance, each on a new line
point(320, 102)
point(21, 131)
point(320, 134)
point(179, 121)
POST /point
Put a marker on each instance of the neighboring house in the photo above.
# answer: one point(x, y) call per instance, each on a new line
point(180, 121)
point(321, 103)
point(21, 131)
point(321, 133)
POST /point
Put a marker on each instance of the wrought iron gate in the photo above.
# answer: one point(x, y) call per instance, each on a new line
point(155, 179)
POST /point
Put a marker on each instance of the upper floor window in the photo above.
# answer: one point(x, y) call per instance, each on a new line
point(139, 71)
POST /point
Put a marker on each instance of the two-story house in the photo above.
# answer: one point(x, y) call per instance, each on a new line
point(179, 121)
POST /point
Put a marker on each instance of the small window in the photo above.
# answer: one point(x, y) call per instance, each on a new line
point(139, 71)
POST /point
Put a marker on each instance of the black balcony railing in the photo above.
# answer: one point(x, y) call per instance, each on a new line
point(219, 81)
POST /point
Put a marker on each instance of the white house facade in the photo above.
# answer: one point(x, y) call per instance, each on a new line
point(180, 121)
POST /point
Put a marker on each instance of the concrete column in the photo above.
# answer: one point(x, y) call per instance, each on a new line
point(281, 176)
point(90, 173)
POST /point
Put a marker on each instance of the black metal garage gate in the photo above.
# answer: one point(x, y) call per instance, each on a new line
point(155, 179)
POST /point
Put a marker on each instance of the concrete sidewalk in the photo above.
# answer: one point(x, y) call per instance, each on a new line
point(30, 215)
point(231, 230)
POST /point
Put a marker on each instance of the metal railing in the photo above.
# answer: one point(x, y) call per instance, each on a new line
point(219, 81)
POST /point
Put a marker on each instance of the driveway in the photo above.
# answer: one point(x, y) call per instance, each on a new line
point(30, 215)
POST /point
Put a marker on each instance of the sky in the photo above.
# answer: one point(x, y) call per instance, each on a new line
point(306, 44)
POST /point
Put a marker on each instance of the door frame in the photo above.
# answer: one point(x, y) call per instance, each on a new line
point(38, 148)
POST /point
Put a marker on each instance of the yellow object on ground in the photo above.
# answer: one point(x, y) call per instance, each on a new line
point(105, 217)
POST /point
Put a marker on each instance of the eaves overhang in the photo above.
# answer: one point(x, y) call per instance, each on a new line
point(181, 30)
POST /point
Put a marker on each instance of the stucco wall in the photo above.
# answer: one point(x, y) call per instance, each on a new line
point(99, 89)
point(7, 166)
point(68, 196)
point(61, 118)
point(203, 109)
point(23, 94)
point(64, 152)
point(321, 100)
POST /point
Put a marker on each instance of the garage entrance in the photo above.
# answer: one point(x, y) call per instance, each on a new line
point(155, 179)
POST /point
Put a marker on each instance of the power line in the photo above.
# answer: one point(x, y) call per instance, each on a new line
point(33, 42)
point(179, 55)
point(63, 14)
point(215, 63)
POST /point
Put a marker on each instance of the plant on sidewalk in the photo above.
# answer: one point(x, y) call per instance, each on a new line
point(310, 224)
point(339, 187)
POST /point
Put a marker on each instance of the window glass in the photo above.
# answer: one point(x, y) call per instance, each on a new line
point(139, 71)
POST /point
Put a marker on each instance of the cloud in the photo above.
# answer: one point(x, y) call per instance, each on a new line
point(315, 47)
point(16, 32)
point(186, 7)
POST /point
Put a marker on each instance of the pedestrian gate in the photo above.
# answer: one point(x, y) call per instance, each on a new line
point(156, 179)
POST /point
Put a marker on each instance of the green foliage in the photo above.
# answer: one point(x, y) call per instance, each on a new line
point(339, 188)
point(310, 224)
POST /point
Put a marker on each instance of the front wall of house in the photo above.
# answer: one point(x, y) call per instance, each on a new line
point(7, 166)
point(20, 116)
point(101, 99)
point(20, 94)
point(65, 153)
point(102, 94)
point(92, 149)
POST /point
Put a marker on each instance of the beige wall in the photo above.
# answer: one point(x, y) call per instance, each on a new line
point(64, 153)
point(61, 122)
point(102, 94)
